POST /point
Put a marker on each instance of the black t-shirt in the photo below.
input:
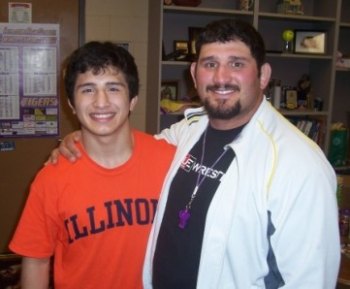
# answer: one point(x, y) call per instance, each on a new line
point(177, 254)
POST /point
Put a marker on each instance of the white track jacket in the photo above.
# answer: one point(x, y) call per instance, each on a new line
point(277, 172)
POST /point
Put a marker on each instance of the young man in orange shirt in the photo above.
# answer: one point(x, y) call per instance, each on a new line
point(94, 216)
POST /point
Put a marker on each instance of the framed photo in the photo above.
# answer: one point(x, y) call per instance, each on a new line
point(313, 42)
point(291, 99)
point(169, 90)
point(181, 49)
point(193, 33)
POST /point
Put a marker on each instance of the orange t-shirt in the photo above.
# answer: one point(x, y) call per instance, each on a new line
point(95, 221)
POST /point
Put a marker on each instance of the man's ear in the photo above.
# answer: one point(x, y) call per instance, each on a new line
point(193, 73)
point(71, 106)
point(265, 75)
point(133, 102)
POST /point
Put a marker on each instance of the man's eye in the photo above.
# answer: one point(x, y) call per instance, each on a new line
point(87, 90)
point(210, 64)
point(237, 64)
point(113, 89)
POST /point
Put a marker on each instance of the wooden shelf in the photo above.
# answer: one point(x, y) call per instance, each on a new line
point(169, 23)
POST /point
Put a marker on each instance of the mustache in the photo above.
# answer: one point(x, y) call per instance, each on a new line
point(223, 87)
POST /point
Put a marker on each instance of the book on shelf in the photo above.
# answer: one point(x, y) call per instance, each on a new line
point(310, 127)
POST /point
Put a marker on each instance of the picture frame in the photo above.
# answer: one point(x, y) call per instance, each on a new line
point(181, 49)
point(291, 98)
point(193, 33)
point(310, 42)
point(169, 90)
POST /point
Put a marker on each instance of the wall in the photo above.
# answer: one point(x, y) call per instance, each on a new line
point(123, 21)
point(18, 167)
point(116, 20)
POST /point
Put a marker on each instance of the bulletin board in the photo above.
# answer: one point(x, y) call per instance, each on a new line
point(29, 70)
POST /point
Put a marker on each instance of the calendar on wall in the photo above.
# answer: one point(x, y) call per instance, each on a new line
point(29, 77)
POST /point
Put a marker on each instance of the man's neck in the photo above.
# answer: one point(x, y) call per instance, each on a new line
point(109, 151)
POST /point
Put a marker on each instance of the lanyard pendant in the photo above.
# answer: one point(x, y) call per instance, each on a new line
point(184, 215)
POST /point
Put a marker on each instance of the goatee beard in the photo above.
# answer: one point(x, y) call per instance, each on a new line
point(220, 111)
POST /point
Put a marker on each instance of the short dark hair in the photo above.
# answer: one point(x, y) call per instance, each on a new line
point(97, 56)
point(225, 30)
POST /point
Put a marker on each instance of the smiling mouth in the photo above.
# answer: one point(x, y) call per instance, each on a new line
point(102, 116)
point(223, 90)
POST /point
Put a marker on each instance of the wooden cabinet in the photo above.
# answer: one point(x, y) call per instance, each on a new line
point(169, 23)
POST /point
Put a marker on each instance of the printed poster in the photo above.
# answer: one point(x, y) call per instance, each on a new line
point(29, 77)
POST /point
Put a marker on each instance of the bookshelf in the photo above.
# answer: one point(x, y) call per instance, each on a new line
point(169, 23)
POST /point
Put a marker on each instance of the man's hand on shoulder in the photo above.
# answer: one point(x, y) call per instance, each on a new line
point(67, 148)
